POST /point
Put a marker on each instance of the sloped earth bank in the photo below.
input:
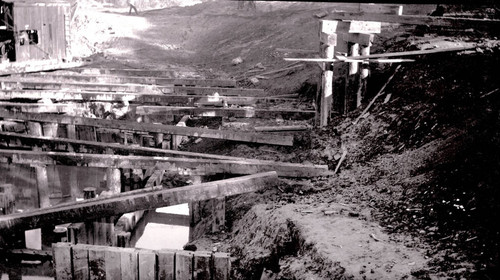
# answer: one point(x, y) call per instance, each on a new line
point(417, 196)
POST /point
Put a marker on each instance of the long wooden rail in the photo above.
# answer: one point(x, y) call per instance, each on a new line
point(138, 98)
point(227, 112)
point(54, 76)
point(187, 166)
point(154, 128)
point(132, 201)
point(10, 83)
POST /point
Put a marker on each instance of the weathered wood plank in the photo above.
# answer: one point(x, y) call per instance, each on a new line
point(62, 260)
point(201, 265)
point(220, 91)
point(155, 128)
point(227, 112)
point(166, 265)
point(184, 265)
point(117, 79)
point(480, 24)
point(221, 266)
point(139, 98)
point(81, 262)
point(139, 200)
point(129, 264)
point(97, 262)
point(13, 84)
point(283, 128)
point(82, 146)
point(352, 26)
point(126, 72)
point(191, 166)
point(219, 214)
point(147, 265)
point(113, 263)
point(38, 107)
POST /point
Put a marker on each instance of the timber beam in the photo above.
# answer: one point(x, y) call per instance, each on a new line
point(463, 23)
point(17, 141)
point(154, 128)
point(54, 76)
point(187, 166)
point(227, 112)
point(129, 202)
point(138, 98)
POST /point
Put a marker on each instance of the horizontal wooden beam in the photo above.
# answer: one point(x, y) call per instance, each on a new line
point(114, 79)
point(14, 140)
point(138, 98)
point(220, 91)
point(187, 166)
point(113, 206)
point(459, 23)
point(155, 128)
point(227, 112)
point(11, 83)
point(352, 26)
point(171, 73)
point(38, 107)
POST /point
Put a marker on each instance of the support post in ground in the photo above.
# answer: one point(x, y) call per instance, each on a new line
point(219, 214)
point(328, 41)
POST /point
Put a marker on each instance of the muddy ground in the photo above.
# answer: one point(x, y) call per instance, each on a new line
point(416, 197)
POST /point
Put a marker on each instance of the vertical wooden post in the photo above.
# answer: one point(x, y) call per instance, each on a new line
point(62, 257)
point(221, 266)
point(166, 264)
point(147, 265)
point(328, 41)
point(352, 80)
point(183, 265)
point(81, 262)
point(97, 259)
point(365, 72)
point(113, 180)
point(201, 265)
point(112, 257)
point(71, 131)
point(219, 214)
point(129, 264)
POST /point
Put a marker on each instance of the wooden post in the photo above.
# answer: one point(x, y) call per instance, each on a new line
point(77, 233)
point(328, 41)
point(365, 72)
point(352, 80)
point(166, 264)
point(71, 131)
point(97, 259)
point(147, 265)
point(219, 214)
point(201, 265)
point(60, 234)
point(183, 265)
point(113, 263)
point(177, 139)
point(129, 264)
point(221, 266)
point(81, 262)
point(62, 258)
point(113, 180)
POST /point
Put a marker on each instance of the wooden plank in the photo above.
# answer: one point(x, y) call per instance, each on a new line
point(193, 166)
point(116, 79)
point(201, 265)
point(126, 72)
point(62, 260)
point(352, 26)
point(113, 263)
point(136, 200)
point(283, 128)
point(155, 128)
point(82, 146)
point(97, 262)
point(219, 214)
point(459, 23)
point(38, 107)
point(221, 91)
point(81, 262)
point(147, 265)
point(9, 83)
point(166, 264)
point(221, 266)
point(139, 98)
point(227, 112)
point(184, 265)
point(129, 264)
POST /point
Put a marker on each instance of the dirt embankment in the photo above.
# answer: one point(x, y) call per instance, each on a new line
point(417, 195)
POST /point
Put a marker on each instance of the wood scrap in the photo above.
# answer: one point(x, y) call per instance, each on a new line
point(381, 91)
point(342, 158)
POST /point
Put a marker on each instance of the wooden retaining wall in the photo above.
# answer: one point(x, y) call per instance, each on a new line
point(101, 262)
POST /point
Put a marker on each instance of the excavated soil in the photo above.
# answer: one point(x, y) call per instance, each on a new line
point(416, 197)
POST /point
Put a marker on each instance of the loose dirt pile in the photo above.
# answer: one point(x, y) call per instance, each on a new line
point(417, 195)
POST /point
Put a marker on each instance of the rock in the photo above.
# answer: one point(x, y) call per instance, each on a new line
point(237, 61)
point(254, 80)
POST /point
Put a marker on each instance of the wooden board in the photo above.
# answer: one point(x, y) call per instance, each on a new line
point(138, 200)
point(129, 265)
point(459, 23)
point(97, 262)
point(155, 128)
point(80, 262)
point(62, 261)
point(113, 263)
point(116, 79)
point(201, 265)
point(352, 26)
point(227, 112)
point(189, 166)
point(147, 265)
point(166, 267)
point(184, 265)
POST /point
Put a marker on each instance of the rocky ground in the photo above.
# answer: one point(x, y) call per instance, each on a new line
point(416, 197)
